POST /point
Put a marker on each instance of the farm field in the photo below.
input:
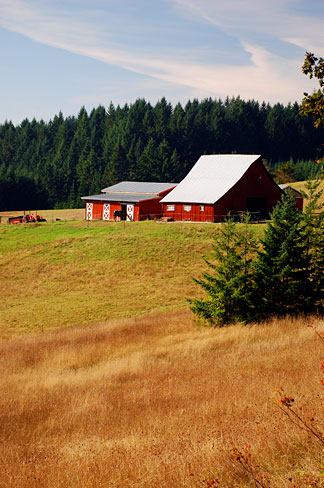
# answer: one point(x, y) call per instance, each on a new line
point(106, 381)
point(71, 273)
point(49, 215)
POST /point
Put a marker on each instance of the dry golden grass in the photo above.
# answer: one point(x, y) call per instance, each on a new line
point(49, 215)
point(300, 185)
point(153, 402)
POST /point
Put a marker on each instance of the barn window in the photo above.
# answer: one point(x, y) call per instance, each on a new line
point(187, 208)
point(170, 208)
point(202, 208)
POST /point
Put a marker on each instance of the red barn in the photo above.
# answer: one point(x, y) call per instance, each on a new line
point(219, 184)
point(297, 194)
point(128, 200)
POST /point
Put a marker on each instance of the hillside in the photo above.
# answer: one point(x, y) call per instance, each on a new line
point(72, 273)
point(300, 185)
point(155, 401)
point(115, 384)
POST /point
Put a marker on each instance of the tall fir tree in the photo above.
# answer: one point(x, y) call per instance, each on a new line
point(147, 163)
point(229, 285)
point(313, 235)
point(117, 168)
point(280, 267)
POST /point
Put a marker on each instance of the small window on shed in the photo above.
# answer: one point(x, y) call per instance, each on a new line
point(170, 208)
point(202, 208)
point(187, 208)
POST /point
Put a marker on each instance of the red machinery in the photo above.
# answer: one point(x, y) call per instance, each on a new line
point(26, 219)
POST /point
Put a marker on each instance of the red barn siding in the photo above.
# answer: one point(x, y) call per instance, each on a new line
point(254, 186)
point(220, 210)
point(142, 210)
point(300, 203)
point(97, 210)
point(298, 197)
point(195, 214)
point(165, 192)
point(255, 183)
point(150, 209)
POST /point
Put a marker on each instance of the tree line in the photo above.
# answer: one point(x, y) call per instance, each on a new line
point(52, 164)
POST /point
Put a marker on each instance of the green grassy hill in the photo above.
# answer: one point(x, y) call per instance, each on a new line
point(66, 273)
point(70, 272)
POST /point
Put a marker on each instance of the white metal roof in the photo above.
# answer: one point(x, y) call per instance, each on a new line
point(210, 178)
point(286, 187)
point(139, 187)
point(119, 197)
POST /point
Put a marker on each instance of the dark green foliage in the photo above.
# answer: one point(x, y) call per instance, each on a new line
point(229, 286)
point(280, 268)
point(19, 191)
point(286, 276)
point(289, 271)
point(313, 235)
point(69, 157)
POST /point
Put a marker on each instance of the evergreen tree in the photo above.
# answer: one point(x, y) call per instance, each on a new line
point(7, 143)
point(162, 172)
point(120, 163)
point(313, 235)
point(117, 168)
point(229, 285)
point(160, 143)
point(280, 267)
point(147, 163)
point(172, 172)
point(161, 116)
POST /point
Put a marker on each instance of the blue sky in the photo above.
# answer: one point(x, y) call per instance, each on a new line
point(62, 54)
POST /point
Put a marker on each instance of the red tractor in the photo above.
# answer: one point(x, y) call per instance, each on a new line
point(26, 219)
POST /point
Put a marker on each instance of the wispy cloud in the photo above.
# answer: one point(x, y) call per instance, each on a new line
point(267, 76)
point(52, 27)
point(278, 19)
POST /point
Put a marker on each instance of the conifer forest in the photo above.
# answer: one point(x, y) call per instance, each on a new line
point(52, 164)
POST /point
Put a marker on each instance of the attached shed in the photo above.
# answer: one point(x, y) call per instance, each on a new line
point(130, 200)
point(297, 194)
point(219, 184)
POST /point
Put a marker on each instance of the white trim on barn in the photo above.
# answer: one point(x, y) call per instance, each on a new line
point(89, 210)
point(130, 213)
point(106, 211)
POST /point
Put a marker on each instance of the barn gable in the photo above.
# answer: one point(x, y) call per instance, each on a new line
point(210, 178)
point(219, 184)
point(297, 194)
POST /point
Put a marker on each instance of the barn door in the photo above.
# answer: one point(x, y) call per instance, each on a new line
point(257, 206)
point(106, 211)
point(89, 210)
point(130, 213)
